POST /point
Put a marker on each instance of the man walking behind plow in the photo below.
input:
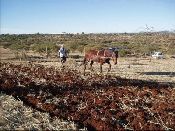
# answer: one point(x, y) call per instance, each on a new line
point(62, 53)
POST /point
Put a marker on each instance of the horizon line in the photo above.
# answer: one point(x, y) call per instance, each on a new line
point(169, 31)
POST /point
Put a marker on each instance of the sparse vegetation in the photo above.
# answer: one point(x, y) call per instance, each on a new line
point(138, 43)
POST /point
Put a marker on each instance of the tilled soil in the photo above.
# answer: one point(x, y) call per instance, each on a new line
point(101, 102)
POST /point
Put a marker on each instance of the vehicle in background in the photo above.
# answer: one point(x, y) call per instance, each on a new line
point(158, 55)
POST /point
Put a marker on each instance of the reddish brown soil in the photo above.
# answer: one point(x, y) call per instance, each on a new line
point(96, 102)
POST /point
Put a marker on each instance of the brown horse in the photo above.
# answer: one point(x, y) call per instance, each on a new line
point(100, 56)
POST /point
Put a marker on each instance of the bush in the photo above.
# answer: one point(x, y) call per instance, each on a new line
point(76, 45)
point(41, 48)
point(18, 46)
point(123, 53)
point(95, 47)
point(72, 46)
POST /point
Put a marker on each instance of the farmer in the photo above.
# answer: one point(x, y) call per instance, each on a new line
point(62, 54)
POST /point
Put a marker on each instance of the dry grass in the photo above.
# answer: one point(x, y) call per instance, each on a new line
point(16, 116)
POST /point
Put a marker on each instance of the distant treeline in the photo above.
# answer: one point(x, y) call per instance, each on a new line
point(127, 43)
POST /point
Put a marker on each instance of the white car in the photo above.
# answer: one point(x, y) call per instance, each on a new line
point(158, 55)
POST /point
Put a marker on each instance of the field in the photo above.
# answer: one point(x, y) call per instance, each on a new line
point(138, 93)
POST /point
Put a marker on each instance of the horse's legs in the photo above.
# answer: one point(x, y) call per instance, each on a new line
point(109, 66)
point(101, 67)
point(84, 62)
point(91, 65)
point(108, 62)
point(84, 68)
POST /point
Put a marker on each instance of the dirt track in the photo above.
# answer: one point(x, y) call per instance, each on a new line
point(162, 70)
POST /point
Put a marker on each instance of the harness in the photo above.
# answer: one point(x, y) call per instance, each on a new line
point(104, 54)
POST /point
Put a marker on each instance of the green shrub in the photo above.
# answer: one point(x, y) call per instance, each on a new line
point(42, 47)
point(123, 53)
point(19, 46)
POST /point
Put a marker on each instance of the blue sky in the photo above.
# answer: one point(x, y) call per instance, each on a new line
point(89, 16)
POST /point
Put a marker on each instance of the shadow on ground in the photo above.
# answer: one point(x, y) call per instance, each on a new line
point(172, 74)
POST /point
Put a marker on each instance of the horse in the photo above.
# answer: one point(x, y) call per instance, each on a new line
point(101, 56)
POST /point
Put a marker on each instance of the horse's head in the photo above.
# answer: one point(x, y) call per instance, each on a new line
point(114, 56)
